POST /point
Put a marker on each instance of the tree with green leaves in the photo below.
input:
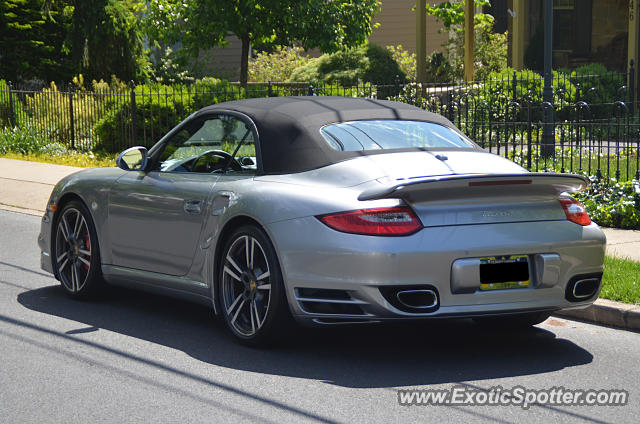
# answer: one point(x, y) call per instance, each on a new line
point(328, 25)
point(31, 39)
point(105, 38)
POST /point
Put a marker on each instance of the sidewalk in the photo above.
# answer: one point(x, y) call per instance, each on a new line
point(25, 187)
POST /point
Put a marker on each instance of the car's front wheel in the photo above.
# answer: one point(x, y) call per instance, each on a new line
point(75, 251)
point(251, 289)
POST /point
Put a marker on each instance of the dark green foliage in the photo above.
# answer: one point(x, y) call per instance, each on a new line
point(31, 40)
point(209, 91)
point(105, 39)
point(54, 40)
point(368, 63)
point(158, 109)
point(598, 85)
point(440, 69)
point(496, 94)
point(5, 106)
point(156, 112)
point(170, 68)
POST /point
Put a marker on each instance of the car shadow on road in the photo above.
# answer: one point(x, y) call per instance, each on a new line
point(369, 356)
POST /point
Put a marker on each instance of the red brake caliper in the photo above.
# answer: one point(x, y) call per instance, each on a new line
point(87, 244)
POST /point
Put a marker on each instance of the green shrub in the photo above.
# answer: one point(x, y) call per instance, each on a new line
point(23, 140)
point(277, 65)
point(613, 203)
point(169, 68)
point(367, 63)
point(158, 109)
point(5, 107)
point(51, 109)
point(440, 69)
point(496, 94)
point(405, 60)
point(596, 76)
point(210, 91)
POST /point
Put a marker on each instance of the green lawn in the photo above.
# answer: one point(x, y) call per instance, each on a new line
point(83, 160)
point(621, 280)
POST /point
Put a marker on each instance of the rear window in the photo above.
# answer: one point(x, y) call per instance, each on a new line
point(390, 134)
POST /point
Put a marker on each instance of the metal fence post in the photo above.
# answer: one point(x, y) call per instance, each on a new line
point(270, 89)
point(12, 113)
point(632, 85)
point(134, 113)
point(514, 86)
point(71, 118)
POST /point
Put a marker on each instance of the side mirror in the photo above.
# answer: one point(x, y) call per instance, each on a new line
point(133, 159)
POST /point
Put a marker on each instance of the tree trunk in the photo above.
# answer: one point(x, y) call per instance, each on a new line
point(244, 60)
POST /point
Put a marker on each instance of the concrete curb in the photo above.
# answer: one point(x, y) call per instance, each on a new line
point(607, 312)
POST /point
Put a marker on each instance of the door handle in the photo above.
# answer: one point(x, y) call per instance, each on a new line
point(193, 206)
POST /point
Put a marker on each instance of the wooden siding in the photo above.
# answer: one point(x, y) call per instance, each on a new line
point(398, 26)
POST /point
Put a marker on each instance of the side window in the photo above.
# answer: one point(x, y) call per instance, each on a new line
point(221, 143)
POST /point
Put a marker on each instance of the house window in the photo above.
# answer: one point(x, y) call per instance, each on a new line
point(563, 25)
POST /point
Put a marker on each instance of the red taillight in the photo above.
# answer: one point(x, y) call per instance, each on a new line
point(575, 211)
point(396, 221)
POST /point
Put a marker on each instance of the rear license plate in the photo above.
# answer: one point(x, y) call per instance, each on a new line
point(504, 272)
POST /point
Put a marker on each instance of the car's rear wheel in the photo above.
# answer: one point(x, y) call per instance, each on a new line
point(251, 289)
point(513, 321)
point(75, 251)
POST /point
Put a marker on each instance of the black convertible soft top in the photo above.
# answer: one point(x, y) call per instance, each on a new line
point(289, 127)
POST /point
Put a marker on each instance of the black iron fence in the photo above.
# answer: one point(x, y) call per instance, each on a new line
point(596, 122)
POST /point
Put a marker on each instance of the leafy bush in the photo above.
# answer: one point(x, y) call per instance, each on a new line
point(405, 60)
point(277, 65)
point(209, 91)
point(613, 203)
point(367, 63)
point(51, 107)
point(156, 112)
point(596, 76)
point(26, 139)
point(169, 69)
point(497, 93)
point(5, 107)
point(158, 109)
point(440, 69)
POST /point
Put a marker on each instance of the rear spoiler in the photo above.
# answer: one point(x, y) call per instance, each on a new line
point(514, 183)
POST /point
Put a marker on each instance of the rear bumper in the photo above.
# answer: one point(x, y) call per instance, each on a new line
point(315, 257)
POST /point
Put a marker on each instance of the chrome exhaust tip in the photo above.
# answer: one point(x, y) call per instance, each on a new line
point(583, 289)
point(418, 299)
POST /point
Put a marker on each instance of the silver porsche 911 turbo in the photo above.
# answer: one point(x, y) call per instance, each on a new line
point(326, 210)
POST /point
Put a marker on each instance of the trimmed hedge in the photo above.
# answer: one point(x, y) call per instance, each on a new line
point(367, 63)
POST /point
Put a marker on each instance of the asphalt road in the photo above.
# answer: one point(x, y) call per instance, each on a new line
point(134, 357)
